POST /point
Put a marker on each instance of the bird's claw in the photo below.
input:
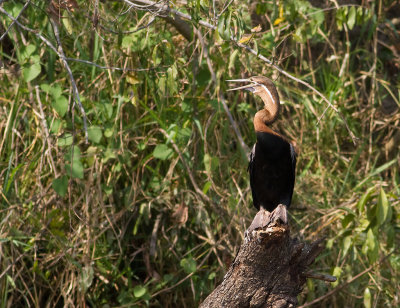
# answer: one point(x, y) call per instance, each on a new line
point(264, 218)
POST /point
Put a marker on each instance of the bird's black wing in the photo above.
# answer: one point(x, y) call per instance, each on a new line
point(251, 170)
point(293, 157)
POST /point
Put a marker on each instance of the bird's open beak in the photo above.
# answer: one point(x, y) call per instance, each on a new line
point(249, 87)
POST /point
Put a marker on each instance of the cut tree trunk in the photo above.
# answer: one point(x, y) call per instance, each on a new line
point(270, 268)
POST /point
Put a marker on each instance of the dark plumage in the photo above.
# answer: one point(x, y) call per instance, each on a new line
point(272, 171)
point(273, 159)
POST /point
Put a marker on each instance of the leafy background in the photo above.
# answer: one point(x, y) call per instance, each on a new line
point(152, 207)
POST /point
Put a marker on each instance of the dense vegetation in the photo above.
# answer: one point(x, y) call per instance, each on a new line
point(123, 182)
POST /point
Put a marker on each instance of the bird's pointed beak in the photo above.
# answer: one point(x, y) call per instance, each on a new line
point(245, 87)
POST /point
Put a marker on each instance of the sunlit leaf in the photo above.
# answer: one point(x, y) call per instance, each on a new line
point(67, 23)
point(337, 272)
point(188, 265)
point(351, 18)
point(94, 134)
point(31, 72)
point(347, 244)
point(364, 199)
point(87, 277)
point(206, 187)
point(367, 298)
point(77, 169)
point(162, 151)
point(27, 52)
point(382, 208)
point(60, 105)
point(372, 245)
point(139, 291)
point(65, 140)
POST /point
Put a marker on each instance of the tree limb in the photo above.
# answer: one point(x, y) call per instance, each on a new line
point(269, 270)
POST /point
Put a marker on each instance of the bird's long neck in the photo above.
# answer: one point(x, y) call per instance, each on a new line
point(270, 112)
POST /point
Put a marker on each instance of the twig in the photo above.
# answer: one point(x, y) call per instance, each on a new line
point(116, 68)
point(16, 18)
point(71, 77)
point(324, 277)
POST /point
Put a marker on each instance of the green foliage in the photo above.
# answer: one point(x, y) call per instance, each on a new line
point(150, 210)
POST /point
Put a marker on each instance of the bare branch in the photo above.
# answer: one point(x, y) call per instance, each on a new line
point(116, 68)
point(71, 77)
point(13, 22)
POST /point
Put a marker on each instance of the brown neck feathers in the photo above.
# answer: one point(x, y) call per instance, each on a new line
point(268, 115)
point(261, 119)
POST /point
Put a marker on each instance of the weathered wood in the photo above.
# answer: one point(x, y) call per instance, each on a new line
point(269, 270)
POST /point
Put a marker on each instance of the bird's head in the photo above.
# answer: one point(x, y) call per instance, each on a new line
point(261, 86)
point(265, 89)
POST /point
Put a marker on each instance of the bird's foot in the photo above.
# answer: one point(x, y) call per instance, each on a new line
point(264, 218)
point(280, 214)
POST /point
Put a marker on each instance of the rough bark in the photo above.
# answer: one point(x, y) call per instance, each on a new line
point(269, 270)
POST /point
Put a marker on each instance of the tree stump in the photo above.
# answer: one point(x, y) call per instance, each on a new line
point(270, 268)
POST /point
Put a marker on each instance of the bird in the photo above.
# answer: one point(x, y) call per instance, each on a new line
point(272, 162)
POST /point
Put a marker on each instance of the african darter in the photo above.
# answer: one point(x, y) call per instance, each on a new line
point(272, 159)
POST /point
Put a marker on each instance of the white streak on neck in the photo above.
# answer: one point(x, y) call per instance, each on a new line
point(269, 93)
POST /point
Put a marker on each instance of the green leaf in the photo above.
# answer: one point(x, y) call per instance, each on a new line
point(207, 162)
point(337, 272)
point(383, 208)
point(87, 277)
point(139, 291)
point(11, 281)
point(56, 91)
point(27, 52)
point(162, 151)
point(31, 72)
point(232, 58)
point(348, 240)
point(45, 87)
point(206, 187)
point(95, 134)
point(73, 154)
point(188, 265)
point(65, 140)
point(60, 185)
point(60, 105)
point(351, 18)
point(390, 234)
point(77, 169)
point(221, 25)
point(54, 125)
point(364, 199)
point(67, 23)
point(367, 298)
point(126, 41)
point(372, 245)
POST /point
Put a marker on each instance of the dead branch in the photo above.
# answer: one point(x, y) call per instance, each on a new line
point(270, 268)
